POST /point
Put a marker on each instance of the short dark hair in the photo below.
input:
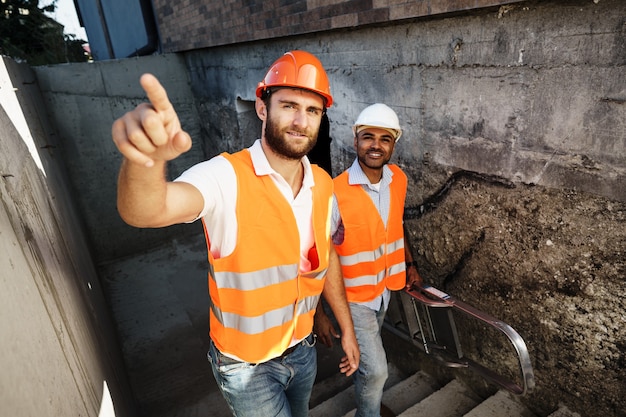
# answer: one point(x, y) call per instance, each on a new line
point(265, 96)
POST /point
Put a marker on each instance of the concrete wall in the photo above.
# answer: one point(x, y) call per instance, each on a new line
point(84, 100)
point(531, 93)
point(60, 351)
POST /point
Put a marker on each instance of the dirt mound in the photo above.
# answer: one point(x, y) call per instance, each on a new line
point(550, 263)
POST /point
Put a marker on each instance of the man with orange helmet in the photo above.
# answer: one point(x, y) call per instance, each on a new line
point(265, 211)
point(375, 257)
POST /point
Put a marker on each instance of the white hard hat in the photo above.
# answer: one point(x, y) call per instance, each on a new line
point(381, 116)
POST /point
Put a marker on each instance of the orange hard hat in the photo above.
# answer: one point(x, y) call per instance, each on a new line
point(298, 69)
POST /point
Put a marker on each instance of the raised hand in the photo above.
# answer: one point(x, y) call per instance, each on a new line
point(148, 137)
point(152, 131)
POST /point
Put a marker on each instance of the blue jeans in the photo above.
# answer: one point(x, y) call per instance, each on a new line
point(369, 379)
point(280, 387)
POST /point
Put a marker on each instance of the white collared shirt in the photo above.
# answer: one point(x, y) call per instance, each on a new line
point(217, 182)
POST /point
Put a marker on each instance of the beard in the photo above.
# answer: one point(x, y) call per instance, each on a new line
point(275, 137)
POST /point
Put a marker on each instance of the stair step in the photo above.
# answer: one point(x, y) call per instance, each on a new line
point(410, 391)
point(343, 402)
point(453, 400)
point(329, 387)
point(406, 393)
point(501, 404)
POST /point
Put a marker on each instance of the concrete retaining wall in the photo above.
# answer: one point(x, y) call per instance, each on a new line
point(60, 352)
point(531, 93)
point(83, 100)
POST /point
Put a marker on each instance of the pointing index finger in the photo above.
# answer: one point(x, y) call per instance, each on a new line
point(156, 93)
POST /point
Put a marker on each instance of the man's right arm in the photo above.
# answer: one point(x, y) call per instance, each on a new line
point(148, 137)
point(146, 199)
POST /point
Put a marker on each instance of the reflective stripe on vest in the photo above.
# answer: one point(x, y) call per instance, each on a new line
point(258, 279)
point(371, 255)
point(259, 301)
point(278, 317)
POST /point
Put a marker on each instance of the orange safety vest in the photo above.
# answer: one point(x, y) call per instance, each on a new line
point(259, 300)
point(371, 256)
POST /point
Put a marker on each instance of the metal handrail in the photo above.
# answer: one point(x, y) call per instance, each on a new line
point(432, 297)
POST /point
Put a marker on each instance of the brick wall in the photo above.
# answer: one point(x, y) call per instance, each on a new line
point(193, 24)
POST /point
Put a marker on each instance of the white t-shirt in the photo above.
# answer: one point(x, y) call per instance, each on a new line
point(217, 182)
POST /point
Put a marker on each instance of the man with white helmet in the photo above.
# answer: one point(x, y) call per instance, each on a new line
point(374, 254)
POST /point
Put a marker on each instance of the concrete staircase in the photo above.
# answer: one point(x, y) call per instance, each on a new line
point(419, 395)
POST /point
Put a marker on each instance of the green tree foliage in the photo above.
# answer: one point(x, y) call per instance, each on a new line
point(28, 35)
